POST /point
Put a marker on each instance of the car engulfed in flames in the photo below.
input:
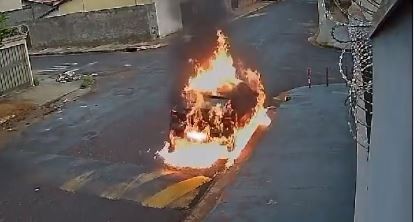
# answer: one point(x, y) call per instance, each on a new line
point(222, 106)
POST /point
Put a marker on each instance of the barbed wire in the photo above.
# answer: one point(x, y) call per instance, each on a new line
point(360, 82)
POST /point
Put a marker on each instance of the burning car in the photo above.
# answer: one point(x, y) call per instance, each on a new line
point(214, 120)
point(222, 106)
point(205, 116)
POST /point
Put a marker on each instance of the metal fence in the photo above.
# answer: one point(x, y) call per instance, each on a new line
point(15, 70)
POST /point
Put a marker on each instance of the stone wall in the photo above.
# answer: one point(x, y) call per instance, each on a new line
point(121, 25)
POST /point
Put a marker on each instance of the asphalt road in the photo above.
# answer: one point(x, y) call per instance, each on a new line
point(94, 160)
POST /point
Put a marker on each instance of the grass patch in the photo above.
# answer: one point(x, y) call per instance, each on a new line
point(87, 81)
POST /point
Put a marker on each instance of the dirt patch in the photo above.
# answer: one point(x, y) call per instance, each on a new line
point(14, 111)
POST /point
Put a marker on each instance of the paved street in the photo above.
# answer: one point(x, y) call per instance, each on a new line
point(94, 160)
point(304, 170)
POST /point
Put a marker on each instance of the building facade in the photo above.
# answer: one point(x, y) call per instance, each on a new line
point(10, 5)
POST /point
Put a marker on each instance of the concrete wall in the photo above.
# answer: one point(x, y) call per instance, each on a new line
point(28, 13)
point(74, 6)
point(9, 5)
point(385, 194)
point(390, 171)
point(168, 16)
point(122, 25)
point(323, 36)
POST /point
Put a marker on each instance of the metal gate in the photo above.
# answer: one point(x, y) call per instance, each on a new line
point(15, 70)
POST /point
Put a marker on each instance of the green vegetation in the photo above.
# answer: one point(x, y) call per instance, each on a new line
point(36, 81)
point(5, 30)
point(87, 81)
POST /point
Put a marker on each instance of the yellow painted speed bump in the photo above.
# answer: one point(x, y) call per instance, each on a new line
point(174, 192)
point(116, 192)
point(77, 182)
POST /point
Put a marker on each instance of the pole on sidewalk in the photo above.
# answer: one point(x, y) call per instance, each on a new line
point(327, 76)
point(309, 77)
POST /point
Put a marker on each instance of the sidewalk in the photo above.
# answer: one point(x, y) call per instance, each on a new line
point(34, 101)
point(102, 48)
point(303, 169)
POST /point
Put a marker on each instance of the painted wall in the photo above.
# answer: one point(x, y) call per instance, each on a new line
point(168, 16)
point(390, 171)
point(384, 193)
point(95, 5)
point(9, 5)
point(122, 25)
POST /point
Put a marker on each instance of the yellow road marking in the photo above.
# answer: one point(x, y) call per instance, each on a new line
point(174, 192)
point(118, 190)
point(77, 182)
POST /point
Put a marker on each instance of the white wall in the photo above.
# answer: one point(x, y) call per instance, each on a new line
point(390, 170)
point(9, 5)
point(384, 180)
point(168, 16)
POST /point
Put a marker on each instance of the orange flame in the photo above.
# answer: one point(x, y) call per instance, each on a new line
point(198, 149)
point(219, 71)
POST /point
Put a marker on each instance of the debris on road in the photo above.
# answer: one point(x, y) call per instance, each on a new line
point(144, 47)
point(37, 189)
point(156, 46)
point(68, 76)
point(287, 98)
point(6, 119)
point(271, 202)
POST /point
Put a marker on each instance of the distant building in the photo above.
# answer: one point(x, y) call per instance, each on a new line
point(10, 5)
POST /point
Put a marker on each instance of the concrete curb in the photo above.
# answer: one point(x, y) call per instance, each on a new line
point(131, 48)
